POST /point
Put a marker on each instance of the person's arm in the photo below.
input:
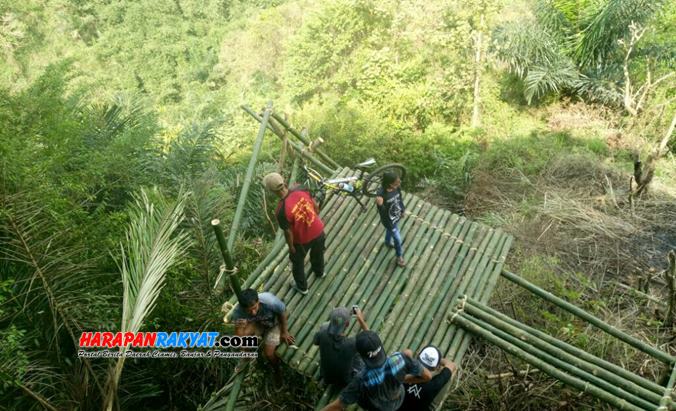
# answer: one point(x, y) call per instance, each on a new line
point(337, 405)
point(284, 329)
point(421, 379)
point(416, 373)
point(379, 201)
point(360, 319)
point(288, 234)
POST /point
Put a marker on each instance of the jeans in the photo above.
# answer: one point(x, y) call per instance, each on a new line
point(316, 249)
point(394, 234)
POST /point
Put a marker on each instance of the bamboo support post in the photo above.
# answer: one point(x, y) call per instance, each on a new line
point(248, 177)
point(634, 342)
point(227, 258)
point(545, 367)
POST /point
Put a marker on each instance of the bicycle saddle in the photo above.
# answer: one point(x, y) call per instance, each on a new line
point(366, 164)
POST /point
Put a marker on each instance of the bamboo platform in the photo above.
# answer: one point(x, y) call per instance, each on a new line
point(447, 256)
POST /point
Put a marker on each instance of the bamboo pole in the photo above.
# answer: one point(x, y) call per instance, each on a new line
point(485, 238)
point(426, 333)
point(299, 149)
point(305, 140)
point(573, 368)
point(378, 263)
point(437, 329)
point(546, 295)
point(413, 306)
point(248, 177)
point(227, 258)
point(322, 299)
point(359, 277)
point(572, 350)
point(419, 286)
point(667, 402)
point(561, 355)
point(384, 290)
point(542, 365)
point(484, 279)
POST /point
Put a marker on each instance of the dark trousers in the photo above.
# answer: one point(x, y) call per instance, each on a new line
point(316, 249)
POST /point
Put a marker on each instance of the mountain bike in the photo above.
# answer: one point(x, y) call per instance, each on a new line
point(362, 184)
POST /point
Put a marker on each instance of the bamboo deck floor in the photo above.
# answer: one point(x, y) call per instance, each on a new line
point(446, 255)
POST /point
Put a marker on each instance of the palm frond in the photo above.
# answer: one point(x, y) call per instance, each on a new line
point(152, 246)
point(525, 46)
point(151, 249)
point(607, 24)
point(543, 80)
point(54, 291)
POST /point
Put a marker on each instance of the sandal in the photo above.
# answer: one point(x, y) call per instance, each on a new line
point(400, 262)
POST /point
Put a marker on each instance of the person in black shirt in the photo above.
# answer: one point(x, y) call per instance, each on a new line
point(419, 397)
point(338, 357)
point(390, 205)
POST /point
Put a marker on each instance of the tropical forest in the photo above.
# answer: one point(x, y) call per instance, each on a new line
point(134, 141)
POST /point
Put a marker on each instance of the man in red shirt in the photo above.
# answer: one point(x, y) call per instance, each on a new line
point(297, 215)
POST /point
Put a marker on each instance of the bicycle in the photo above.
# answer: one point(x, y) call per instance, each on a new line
point(362, 184)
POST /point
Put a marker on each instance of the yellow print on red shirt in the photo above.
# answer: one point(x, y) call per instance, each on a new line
point(304, 212)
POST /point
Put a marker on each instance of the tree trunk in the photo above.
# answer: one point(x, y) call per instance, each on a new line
point(476, 113)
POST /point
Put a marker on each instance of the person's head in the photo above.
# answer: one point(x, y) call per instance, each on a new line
point(339, 319)
point(248, 300)
point(275, 183)
point(371, 349)
point(390, 180)
point(430, 357)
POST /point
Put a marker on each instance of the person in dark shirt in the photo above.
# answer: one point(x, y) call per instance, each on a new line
point(419, 397)
point(380, 385)
point(338, 358)
point(391, 208)
point(297, 214)
point(263, 315)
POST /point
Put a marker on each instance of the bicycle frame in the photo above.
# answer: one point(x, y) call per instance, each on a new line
point(334, 184)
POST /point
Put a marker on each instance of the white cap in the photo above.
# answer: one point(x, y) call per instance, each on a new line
point(430, 357)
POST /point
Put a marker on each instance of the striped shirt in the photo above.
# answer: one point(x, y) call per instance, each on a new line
point(381, 388)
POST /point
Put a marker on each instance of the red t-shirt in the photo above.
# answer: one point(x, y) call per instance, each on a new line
point(299, 214)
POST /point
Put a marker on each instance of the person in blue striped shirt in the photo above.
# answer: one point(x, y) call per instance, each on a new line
point(380, 385)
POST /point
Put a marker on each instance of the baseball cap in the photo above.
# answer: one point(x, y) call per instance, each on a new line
point(338, 320)
point(430, 357)
point(371, 349)
point(273, 182)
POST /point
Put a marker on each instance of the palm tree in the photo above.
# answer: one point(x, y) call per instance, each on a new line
point(574, 46)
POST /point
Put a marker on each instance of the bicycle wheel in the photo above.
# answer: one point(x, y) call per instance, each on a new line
point(373, 181)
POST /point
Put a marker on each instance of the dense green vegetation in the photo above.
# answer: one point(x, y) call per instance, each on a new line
point(524, 115)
